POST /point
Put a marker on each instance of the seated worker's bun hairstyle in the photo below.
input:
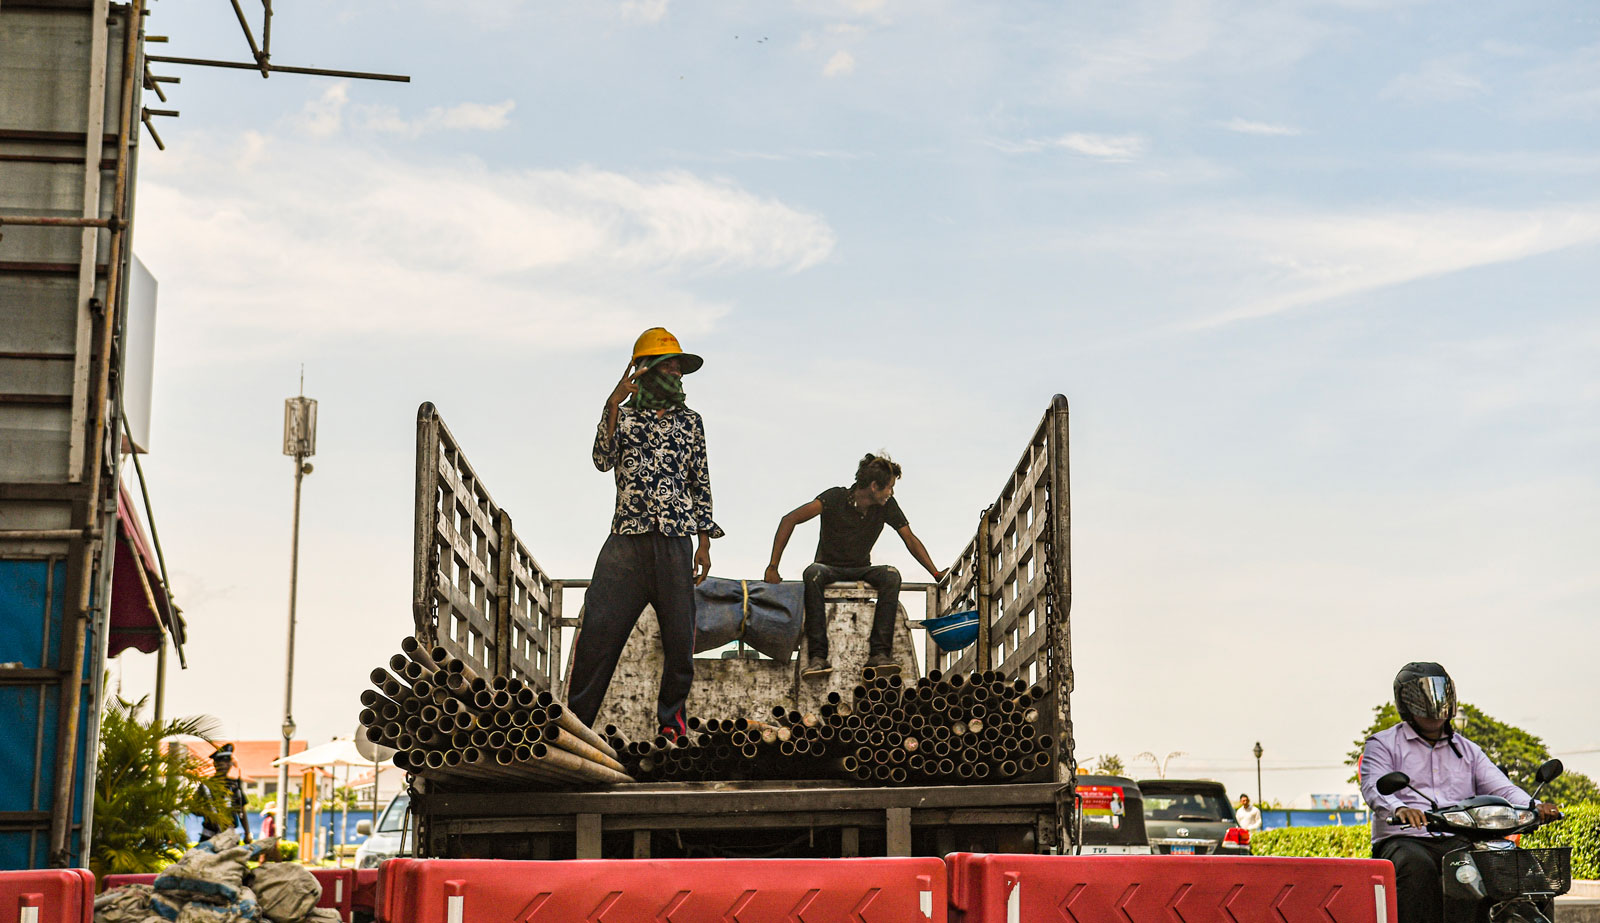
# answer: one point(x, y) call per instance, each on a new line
point(879, 470)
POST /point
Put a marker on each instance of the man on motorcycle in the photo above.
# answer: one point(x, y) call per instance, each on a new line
point(1444, 767)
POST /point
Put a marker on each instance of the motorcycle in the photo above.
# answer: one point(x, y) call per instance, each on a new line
point(1493, 879)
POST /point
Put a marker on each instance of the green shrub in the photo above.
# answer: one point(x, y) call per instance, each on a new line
point(1581, 831)
point(1353, 842)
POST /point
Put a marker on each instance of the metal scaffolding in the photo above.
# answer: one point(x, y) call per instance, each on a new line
point(70, 111)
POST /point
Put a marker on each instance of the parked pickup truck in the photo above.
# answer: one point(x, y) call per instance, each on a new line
point(479, 593)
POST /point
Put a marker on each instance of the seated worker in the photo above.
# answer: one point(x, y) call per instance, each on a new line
point(1443, 766)
point(852, 518)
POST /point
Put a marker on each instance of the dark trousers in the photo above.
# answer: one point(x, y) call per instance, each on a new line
point(1417, 860)
point(885, 579)
point(634, 570)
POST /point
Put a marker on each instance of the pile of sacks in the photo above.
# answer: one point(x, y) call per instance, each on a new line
point(213, 883)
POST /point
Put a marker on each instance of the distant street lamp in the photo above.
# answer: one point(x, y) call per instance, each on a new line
point(299, 441)
point(1258, 752)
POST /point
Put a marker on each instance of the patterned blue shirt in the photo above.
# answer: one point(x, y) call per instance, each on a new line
point(663, 479)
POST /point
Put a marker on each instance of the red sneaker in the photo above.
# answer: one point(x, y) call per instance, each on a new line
point(676, 729)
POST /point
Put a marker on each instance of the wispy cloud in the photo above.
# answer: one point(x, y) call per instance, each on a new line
point(842, 63)
point(643, 11)
point(1298, 261)
point(1111, 148)
point(323, 116)
point(369, 244)
point(1246, 127)
point(460, 117)
point(1103, 147)
point(1434, 82)
point(1549, 163)
point(331, 113)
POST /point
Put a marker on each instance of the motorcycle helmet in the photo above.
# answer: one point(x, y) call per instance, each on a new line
point(1424, 690)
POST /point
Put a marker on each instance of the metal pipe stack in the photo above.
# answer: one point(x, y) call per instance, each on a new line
point(967, 728)
point(450, 725)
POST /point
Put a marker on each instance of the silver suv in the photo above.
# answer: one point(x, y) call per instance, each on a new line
point(1191, 818)
point(384, 842)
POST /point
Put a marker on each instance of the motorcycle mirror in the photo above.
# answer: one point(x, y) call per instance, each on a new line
point(1548, 771)
point(1393, 782)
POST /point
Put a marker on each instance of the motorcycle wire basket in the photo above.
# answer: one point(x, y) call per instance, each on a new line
point(1512, 873)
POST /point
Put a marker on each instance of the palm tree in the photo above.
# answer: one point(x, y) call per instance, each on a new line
point(143, 789)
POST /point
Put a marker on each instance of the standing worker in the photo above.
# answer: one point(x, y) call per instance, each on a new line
point(222, 762)
point(852, 519)
point(657, 447)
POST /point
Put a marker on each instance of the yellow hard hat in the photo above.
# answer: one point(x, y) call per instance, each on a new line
point(658, 342)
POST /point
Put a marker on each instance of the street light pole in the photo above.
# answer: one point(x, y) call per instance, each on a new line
point(300, 442)
point(1258, 751)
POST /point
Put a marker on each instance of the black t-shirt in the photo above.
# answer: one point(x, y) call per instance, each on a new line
point(849, 532)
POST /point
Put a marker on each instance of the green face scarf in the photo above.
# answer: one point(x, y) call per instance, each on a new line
point(658, 391)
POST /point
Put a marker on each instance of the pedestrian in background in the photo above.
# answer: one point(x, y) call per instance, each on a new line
point(222, 763)
point(1249, 815)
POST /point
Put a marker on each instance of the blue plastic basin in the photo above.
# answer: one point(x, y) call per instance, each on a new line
point(955, 631)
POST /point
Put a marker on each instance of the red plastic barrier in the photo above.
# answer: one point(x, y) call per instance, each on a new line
point(117, 881)
point(365, 895)
point(671, 890)
point(1164, 889)
point(338, 889)
point(392, 897)
point(47, 896)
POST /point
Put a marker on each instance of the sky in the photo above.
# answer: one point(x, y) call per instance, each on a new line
point(1317, 279)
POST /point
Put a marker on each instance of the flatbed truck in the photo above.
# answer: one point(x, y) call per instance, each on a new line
point(479, 593)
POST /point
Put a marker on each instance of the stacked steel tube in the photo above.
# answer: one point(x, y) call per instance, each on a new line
point(967, 728)
point(452, 726)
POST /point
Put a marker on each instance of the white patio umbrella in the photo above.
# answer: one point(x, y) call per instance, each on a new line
point(334, 753)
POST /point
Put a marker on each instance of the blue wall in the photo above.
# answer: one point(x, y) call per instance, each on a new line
point(1273, 819)
point(30, 635)
point(327, 820)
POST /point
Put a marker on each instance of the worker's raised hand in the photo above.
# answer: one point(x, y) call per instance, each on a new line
point(702, 563)
point(771, 576)
point(627, 387)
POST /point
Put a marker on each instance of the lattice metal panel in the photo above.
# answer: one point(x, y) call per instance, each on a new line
point(1010, 588)
point(1018, 541)
point(958, 592)
point(535, 643)
point(475, 588)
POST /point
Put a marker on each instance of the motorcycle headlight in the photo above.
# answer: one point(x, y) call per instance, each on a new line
point(1459, 818)
point(1525, 816)
point(1496, 817)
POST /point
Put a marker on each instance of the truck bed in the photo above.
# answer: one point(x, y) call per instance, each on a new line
point(782, 818)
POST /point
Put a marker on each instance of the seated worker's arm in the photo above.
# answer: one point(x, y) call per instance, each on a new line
point(914, 545)
point(786, 528)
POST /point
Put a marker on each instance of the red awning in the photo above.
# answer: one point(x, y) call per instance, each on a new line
point(140, 610)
